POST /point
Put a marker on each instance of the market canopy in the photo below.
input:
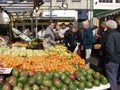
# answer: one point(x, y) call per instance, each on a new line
point(109, 13)
point(17, 8)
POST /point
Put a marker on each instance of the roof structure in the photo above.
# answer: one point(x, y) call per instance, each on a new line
point(109, 13)
point(21, 9)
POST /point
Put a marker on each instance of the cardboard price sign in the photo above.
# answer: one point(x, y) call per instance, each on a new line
point(5, 70)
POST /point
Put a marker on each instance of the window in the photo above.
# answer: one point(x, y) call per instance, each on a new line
point(117, 1)
point(60, 0)
point(15, 1)
point(3, 1)
point(46, 0)
point(29, 0)
point(76, 0)
point(105, 1)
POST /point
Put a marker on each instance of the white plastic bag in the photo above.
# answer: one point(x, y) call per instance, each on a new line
point(76, 48)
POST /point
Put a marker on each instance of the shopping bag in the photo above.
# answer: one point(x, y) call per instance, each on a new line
point(76, 49)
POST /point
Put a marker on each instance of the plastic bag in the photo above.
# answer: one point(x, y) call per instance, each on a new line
point(76, 48)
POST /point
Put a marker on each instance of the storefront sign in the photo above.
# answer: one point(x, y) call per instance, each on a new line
point(61, 13)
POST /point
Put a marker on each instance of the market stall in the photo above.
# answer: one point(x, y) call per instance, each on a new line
point(48, 69)
point(30, 64)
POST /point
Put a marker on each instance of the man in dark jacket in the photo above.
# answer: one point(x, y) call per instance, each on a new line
point(112, 53)
point(87, 41)
point(118, 21)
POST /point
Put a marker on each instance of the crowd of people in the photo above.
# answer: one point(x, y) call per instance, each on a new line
point(107, 37)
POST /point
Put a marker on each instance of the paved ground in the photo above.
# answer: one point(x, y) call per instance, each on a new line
point(94, 63)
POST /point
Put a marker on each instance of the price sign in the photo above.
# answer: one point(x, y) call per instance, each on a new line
point(5, 70)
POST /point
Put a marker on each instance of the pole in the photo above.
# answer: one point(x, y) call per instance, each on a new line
point(11, 26)
point(36, 26)
point(91, 12)
point(32, 27)
point(50, 10)
point(87, 11)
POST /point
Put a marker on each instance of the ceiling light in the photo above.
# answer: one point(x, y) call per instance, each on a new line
point(64, 5)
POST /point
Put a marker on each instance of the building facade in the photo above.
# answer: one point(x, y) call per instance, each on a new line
point(106, 4)
point(72, 4)
point(86, 9)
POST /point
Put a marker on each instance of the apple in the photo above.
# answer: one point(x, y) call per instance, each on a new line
point(32, 73)
point(72, 77)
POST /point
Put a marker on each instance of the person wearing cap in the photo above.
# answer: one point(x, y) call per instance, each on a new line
point(112, 53)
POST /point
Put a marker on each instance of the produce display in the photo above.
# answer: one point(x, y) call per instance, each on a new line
point(33, 44)
point(54, 68)
point(81, 79)
point(36, 44)
point(21, 35)
point(18, 44)
point(52, 59)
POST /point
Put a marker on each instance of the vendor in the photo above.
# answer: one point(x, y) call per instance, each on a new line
point(49, 34)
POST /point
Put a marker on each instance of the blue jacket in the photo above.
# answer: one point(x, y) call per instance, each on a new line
point(88, 38)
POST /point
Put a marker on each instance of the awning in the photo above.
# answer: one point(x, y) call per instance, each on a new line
point(47, 18)
point(108, 13)
point(18, 10)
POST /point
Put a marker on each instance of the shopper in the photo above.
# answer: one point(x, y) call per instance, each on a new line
point(56, 31)
point(70, 25)
point(95, 33)
point(34, 33)
point(112, 53)
point(87, 41)
point(101, 48)
point(62, 30)
point(41, 33)
point(118, 21)
point(49, 34)
point(71, 38)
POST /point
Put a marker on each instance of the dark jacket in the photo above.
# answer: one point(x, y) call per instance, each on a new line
point(79, 36)
point(88, 38)
point(103, 40)
point(71, 39)
point(112, 47)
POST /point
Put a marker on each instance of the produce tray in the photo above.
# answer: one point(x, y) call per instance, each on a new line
point(101, 87)
point(16, 31)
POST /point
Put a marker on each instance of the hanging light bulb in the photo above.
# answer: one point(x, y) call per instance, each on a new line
point(4, 18)
point(64, 5)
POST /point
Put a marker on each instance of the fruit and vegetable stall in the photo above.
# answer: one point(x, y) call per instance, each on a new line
point(53, 68)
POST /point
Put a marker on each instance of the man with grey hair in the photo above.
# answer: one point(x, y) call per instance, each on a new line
point(112, 53)
point(87, 41)
point(118, 21)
